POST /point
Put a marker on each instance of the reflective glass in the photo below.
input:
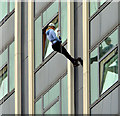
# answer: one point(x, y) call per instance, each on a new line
point(50, 13)
point(38, 42)
point(11, 66)
point(64, 95)
point(12, 6)
point(55, 109)
point(52, 94)
point(108, 71)
point(38, 107)
point(3, 9)
point(102, 1)
point(64, 21)
point(93, 7)
point(94, 79)
point(108, 44)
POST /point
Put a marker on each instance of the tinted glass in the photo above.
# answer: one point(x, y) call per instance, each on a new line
point(108, 71)
point(38, 107)
point(94, 79)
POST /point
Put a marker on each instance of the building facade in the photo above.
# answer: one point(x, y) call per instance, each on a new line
point(34, 79)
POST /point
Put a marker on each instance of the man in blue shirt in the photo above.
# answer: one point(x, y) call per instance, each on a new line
point(57, 46)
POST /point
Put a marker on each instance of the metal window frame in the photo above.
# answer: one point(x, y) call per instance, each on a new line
point(100, 8)
point(41, 96)
point(109, 90)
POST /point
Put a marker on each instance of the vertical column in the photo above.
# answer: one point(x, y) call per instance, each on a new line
point(85, 57)
point(70, 46)
point(31, 55)
point(17, 57)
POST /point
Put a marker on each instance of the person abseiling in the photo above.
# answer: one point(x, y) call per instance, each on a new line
point(57, 46)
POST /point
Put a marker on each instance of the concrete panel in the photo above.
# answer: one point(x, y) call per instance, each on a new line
point(97, 109)
point(79, 102)
point(7, 32)
point(50, 72)
point(107, 104)
point(104, 22)
point(114, 102)
point(78, 47)
point(8, 107)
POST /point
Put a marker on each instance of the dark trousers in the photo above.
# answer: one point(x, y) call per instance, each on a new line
point(61, 49)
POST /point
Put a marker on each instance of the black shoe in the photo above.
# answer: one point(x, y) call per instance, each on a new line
point(76, 63)
point(80, 60)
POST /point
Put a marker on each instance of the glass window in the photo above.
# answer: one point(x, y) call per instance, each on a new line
point(38, 107)
point(109, 71)
point(63, 21)
point(55, 109)
point(52, 94)
point(108, 44)
point(38, 42)
point(3, 9)
point(95, 5)
point(50, 13)
point(11, 66)
point(3, 74)
point(64, 96)
point(47, 46)
point(94, 79)
point(12, 6)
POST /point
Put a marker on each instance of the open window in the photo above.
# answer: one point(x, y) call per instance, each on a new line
point(109, 71)
point(47, 49)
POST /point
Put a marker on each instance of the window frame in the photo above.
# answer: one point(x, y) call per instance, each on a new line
point(109, 90)
point(56, 100)
point(9, 93)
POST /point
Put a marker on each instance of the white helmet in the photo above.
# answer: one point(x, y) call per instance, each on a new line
point(51, 25)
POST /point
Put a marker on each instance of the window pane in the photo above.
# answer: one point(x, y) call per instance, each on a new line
point(102, 1)
point(12, 6)
point(93, 7)
point(108, 44)
point(38, 42)
point(50, 12)
point(64, 21)
point(52, 94)
point(94, 79)
point(11, 67)
point(3, 81)
point(3, 9)
point(38, 107)
point(54, 109)
point(64, 96)
point(108, 71)
point(3, 58)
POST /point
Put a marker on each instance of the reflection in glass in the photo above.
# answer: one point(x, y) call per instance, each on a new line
point(108, 44)
point(38, 42)
point(94, 79)
point(3, 9)
point(52, 94)
point(64, 21)
point(12, 5)
point(109, 71)
point(64, 96)
point(38, 107)
point(93, 7)
point(55, 109)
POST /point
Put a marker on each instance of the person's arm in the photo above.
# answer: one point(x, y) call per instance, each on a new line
point(54, 36)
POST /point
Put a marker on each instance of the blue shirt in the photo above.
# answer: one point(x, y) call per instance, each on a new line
point(51, 36)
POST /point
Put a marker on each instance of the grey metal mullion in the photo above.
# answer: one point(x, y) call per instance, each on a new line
point(98, 69)
point(8, 69)
point(60, 96)
point(119, 54)
point(59, 17)
point(8, 7)
point(42, 103)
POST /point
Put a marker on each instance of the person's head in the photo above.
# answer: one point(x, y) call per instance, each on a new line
point(108, 41)
point(51, 26)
